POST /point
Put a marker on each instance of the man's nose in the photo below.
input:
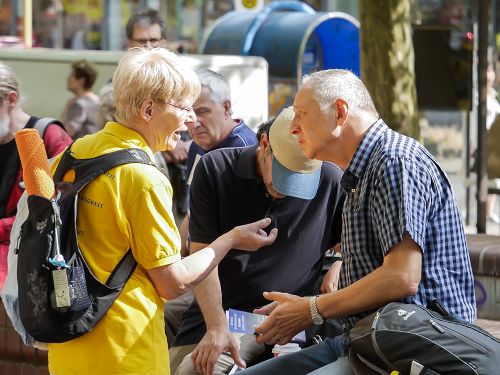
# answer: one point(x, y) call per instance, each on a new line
point(294, 126)
point(191, 120)
point(150, 44)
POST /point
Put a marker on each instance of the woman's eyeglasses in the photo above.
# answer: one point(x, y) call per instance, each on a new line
point(187, 110)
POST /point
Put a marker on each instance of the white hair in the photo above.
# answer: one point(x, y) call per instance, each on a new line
point(216, 83)
point(332, 84)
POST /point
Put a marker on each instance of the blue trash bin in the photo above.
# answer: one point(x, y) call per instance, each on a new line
point(291, 36)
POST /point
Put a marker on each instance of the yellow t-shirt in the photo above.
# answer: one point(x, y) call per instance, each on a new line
point(128, 207)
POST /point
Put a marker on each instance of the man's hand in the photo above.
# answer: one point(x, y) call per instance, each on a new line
point(291, 316)
point(331, 280)
point(252, 236)
point(179, 153)
point(267, 309)
point(215, 341)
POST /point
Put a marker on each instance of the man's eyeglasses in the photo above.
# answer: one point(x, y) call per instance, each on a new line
point(144, 42)
point(187, 110)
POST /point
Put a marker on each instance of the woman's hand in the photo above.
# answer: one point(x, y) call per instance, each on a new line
point(251, 237)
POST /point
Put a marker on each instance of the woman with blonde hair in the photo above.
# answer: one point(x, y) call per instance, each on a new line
point(131, 207)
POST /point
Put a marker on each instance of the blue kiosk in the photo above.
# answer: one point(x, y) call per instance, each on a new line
point(293, 38)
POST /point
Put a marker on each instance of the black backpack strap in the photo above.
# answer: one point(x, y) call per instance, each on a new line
point(122, 271)
point(88, 169)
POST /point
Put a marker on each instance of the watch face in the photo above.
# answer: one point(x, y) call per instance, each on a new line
point(317, 320)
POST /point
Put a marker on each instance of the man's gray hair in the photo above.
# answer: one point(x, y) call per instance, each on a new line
point(215, 83)
point(332, 84)
point(8, 81)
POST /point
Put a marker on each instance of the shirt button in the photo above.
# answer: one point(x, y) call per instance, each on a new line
point(353, 190)
point(267, 195)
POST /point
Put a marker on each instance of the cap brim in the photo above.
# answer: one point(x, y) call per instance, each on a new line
point(294, 184)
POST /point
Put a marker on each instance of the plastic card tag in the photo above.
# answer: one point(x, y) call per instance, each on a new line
point(61, 288)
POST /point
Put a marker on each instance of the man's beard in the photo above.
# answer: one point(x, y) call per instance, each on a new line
point(4, 128)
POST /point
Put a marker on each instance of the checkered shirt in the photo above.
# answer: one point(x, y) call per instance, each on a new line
point(395, 185)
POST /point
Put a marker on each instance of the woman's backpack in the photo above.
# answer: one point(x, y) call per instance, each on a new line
point(57, 297)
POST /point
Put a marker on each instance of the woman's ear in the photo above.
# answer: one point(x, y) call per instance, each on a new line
point(147, 110)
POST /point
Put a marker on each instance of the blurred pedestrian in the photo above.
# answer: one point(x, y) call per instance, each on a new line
point(79, 115)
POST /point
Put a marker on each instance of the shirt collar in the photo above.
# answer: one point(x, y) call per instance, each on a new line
point(128, 136)
point(359, 161)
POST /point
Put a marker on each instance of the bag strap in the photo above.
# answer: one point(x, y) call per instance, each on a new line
point(123, 270)
point(88, 169)
point(42, 123)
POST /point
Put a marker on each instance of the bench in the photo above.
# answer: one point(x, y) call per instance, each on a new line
point(485, 258)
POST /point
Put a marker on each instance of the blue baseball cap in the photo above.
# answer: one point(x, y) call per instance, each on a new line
point(293, 174)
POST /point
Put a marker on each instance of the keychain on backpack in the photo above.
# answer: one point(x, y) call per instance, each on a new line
point(60, 298)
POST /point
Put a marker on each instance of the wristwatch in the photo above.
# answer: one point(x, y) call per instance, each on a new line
point(315, 315)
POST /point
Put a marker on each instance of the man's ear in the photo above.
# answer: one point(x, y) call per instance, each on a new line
point(147, 110)
point(264, 142)
point(11, 99)
point(228, 111)
point(342, 110)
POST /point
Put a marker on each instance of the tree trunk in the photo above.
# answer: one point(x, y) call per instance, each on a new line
point(387, 62)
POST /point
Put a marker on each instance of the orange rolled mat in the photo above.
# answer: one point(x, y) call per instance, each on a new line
point(36, 175)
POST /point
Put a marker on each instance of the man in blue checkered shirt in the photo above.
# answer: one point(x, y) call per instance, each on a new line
point(402, 234)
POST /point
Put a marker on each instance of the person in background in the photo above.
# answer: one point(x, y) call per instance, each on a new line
point(13, 119)
point(79, 115)
point(402, 232)
point(147, 29)
point(215, 126)
point(154, 93)
point(234, 185)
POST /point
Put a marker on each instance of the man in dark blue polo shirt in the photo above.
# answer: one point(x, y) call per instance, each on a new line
point(236, 185)
point(215, 127)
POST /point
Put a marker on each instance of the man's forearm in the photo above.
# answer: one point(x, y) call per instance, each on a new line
point(397, 278)
point(372, 291)
point(209, 297)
